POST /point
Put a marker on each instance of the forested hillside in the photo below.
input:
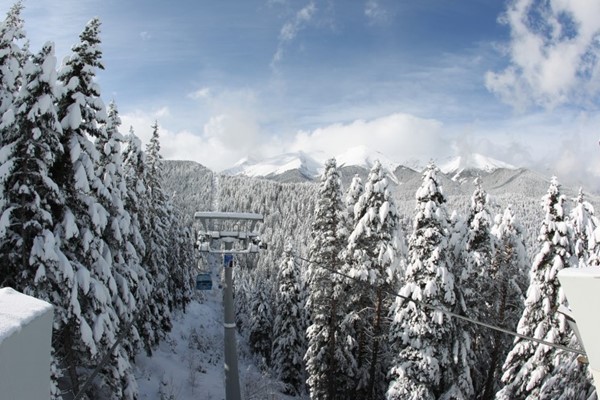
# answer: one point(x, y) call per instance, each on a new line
point(489, 244)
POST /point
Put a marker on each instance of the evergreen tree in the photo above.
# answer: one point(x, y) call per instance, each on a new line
point(31, 260)
point(11, 56)
point(155, 233)
point(472, 270)
point(87, 334)
point(570, 378)
point(422, 338)
point(137, 203)
point(529, 365)
point(260, 329)
point(149, 217)
point(180, 257)
point(327, 361)
point(289, 345)
point(583, 224)
point(353, 326)
point(505, 288)
point(130, 277)
point(373, 259)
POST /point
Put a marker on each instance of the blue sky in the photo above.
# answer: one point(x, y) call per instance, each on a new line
point(515, 80)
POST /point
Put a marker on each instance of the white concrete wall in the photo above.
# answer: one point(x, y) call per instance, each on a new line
point(582, 288)
point(25, 339)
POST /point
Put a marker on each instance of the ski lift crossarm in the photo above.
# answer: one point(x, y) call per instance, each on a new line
point(235, 226)
point(228, 215)
point(205, 216)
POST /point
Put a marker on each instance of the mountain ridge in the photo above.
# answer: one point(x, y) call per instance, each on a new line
point(310, 166)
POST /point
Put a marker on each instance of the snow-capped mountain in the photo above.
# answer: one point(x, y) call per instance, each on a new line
point(364, 157)
point(300, 166)
point(310, 166)
point(473, 161)
point(463, 167)
point(278, 165)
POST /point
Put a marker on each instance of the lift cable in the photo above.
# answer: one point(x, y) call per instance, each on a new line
point(453, 314)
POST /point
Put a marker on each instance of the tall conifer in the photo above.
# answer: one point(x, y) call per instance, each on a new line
point(529, 364)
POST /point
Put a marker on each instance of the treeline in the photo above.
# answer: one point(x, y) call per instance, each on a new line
point(359, 310)
point(84, 221)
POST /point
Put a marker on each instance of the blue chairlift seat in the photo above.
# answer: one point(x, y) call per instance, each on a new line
point(204, 281)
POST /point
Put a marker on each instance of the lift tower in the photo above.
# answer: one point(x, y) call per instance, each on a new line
point(229, 233)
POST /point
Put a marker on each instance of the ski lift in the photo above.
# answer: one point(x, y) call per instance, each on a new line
point(204, 281)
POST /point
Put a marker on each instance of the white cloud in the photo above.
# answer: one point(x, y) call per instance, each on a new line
point(398, 136)
point(203, 93)
point(145, 35)
point(290, 29)
point(375, 12)
point(554, 53)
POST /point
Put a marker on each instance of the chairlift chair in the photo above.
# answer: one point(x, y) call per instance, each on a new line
point(204, 281)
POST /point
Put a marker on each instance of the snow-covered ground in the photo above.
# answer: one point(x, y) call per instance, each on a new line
point(189, 363)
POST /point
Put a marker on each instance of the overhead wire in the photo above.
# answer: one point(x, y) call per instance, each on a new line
point(453, 314)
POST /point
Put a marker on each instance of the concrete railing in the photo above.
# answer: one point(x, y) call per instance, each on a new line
point(25, 340)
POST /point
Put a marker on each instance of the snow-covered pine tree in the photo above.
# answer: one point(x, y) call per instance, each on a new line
point(373, 259)
point(472, 273)
point(88, 334)
point(328, 364)
point(138, 204)
point(130, 277)
point(583, 224)
point(180, 257)
point(260, 323)
point(505, 287)
point(289, 343)
point(120, 234)
point(352, 326)
point(157, 242)
point(570, 378)
point(31, 260)
point(143, 173)
point(529, 365)
point(11, 56)
point(421, 338)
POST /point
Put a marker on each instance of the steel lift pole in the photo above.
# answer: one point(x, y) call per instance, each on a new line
point(232, 379)
point(227, 229)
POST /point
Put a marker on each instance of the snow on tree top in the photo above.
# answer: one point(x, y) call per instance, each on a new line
point(17, 310)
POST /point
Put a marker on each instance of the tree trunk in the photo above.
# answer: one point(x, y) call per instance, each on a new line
point(375, 350)
point(488, 393)
point(331, 381)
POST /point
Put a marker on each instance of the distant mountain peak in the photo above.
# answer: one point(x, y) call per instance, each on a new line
point(473, 161)
point(466, 165)
point(277, 165)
